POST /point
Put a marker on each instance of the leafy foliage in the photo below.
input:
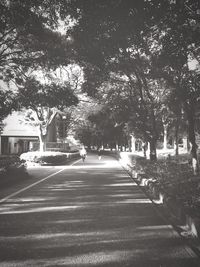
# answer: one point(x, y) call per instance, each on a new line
point(6, 104)
point(149, 42)
point(30, 39)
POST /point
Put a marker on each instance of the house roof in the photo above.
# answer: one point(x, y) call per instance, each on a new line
point(15, 127)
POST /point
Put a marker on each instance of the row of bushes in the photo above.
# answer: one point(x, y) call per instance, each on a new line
point(170, 182)
point(174, 177)
point(49, 157)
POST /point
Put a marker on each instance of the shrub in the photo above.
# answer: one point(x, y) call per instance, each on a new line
point(47, 157)
point(175, 177)
point(12, 165)
point(164, 170)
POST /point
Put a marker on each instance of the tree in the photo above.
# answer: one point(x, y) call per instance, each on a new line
point(180, 44)
point(30, 39)
point(137, 38)
point(6, 104)
point(42, 102)
point(64, 124)
point(120, 44)
point(85, 133)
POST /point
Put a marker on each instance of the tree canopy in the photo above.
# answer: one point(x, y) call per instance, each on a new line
point(136, 57)
point(152, 43)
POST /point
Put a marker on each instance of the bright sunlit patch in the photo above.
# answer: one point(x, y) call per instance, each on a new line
point(82, 172)
point(100, 165)
point(123, 161)
point(135, 201)
point(8, 210)
point(155, 227)
point(66, 187)
point(121, 175)
point(71, 221)
point(77, 181)
point(122, 184)
point(121, 195)
point(89, 259)
point(112, 163)
point(100, 258)
point(31, 237)
point(29, 199)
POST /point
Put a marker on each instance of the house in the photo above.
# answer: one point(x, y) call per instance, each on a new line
point(18, 137)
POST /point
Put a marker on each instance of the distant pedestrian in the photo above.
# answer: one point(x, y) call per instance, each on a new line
point(83, 153)
point(99, 153)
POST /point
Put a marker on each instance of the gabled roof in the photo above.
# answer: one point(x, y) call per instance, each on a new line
point(15, 127)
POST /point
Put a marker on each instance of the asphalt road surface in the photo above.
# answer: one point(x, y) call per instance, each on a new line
point(86, 214)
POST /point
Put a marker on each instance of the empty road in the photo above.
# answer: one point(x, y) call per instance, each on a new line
point(87, 214)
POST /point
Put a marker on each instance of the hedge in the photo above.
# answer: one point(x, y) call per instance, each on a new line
point(48, 157)
point(173, 176)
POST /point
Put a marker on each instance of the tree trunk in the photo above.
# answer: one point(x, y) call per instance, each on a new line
point(153, 141)
point(153, 153)
point(144, 147)
point(132, 143)
point(192, 139)
point(165, 137)
point(177, 137)
point(42, 139)
point(117, 146)
point(42, 144)
point(176, 146)
point(148, 150)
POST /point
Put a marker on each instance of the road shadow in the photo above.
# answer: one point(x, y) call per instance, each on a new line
point(88, 217)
